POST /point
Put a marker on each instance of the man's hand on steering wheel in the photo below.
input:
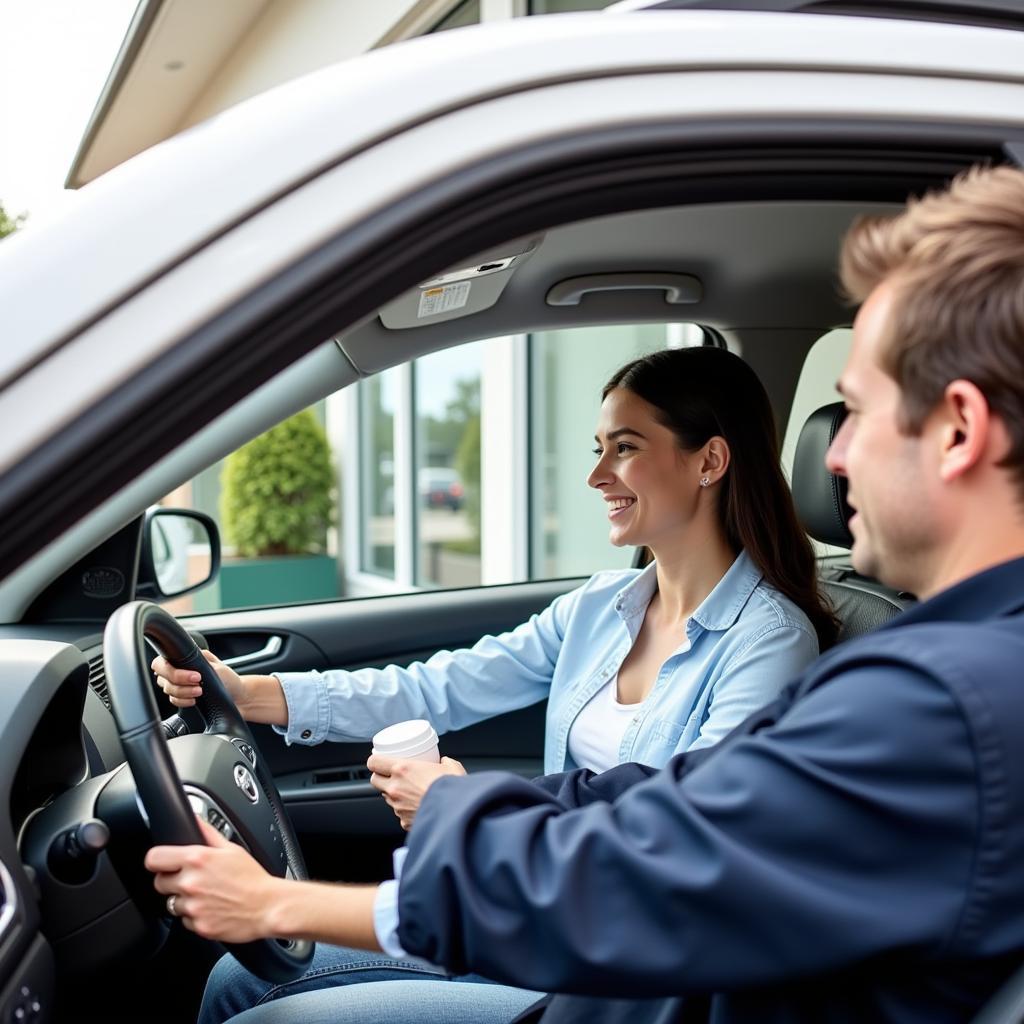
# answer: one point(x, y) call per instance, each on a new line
point(219, 891)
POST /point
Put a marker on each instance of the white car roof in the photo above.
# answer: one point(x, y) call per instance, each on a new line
point(141, 219)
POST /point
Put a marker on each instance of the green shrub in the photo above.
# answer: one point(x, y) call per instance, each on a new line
point(467, 462)
point(277, 490)
point(9, 224)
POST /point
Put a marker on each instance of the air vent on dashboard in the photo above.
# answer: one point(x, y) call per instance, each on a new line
point(98, 679)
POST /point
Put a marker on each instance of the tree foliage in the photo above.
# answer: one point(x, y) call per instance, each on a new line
point(9, 224)
point(467, 462)
point(382, 444)
point(443, 434)
point(277, 493)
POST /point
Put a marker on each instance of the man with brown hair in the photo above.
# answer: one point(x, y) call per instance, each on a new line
point(853, 852)
point(935, 384)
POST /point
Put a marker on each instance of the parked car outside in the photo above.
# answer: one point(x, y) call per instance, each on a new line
point(441, 487)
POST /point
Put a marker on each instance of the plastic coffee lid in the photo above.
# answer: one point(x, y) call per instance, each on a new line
point(414, 736)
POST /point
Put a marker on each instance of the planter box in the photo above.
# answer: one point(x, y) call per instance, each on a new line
point(287, 579)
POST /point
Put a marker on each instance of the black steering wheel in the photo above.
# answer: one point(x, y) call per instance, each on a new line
point(218, 773)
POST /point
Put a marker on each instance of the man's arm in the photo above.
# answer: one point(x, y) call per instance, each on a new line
point(846, 830)
point(221, 892)
point(583, 787)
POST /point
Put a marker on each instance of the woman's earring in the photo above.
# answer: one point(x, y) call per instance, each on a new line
point(705, 480)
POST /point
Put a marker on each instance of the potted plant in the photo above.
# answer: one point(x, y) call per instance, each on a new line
point(276, 505)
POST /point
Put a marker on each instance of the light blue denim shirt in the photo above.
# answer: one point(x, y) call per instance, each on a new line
point(746, 641)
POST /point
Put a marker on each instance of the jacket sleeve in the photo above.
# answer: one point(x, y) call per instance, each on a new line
point(754, 677)
point(451, 690)
point(846, 829)
point(583, 786)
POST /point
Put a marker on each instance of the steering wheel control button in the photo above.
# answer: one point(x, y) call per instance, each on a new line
point(247, 751)
point(220, 823)
point(204, 807)
point(246, 783)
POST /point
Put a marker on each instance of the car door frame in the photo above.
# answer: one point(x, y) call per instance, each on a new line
point(610, 144)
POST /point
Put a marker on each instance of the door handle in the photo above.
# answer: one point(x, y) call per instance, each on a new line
point(268, 650)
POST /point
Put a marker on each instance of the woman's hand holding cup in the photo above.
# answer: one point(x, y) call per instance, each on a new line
point(405, 763)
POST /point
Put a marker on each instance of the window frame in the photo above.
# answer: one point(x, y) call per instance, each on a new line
point(505, 517)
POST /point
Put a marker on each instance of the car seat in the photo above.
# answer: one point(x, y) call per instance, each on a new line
point(860, 603)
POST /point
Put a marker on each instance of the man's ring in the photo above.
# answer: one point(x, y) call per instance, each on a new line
point(171, 900)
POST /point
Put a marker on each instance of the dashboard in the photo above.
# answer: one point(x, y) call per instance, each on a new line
point(64, 899)
point(26, 961)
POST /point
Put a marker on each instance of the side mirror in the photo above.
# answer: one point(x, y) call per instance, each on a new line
point(180, 553)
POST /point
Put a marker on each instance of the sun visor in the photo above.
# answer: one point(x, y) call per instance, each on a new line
point(469, 288)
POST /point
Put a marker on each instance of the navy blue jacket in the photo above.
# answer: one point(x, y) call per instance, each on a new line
point(853, 852)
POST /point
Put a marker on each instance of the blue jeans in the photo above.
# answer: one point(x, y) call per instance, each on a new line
point(397, 1002)
point(231, 989)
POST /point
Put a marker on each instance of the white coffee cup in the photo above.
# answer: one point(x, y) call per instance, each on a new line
point(414, 740)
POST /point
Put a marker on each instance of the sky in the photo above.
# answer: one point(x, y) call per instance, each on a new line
point(56, 55)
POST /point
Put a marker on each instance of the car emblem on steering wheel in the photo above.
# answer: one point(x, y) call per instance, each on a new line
point(246, 783)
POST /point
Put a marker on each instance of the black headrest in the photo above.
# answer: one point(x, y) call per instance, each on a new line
point(819, 495)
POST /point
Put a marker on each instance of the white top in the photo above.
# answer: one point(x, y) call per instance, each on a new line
point(595, 737)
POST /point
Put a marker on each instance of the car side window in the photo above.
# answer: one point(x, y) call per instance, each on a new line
point(466, 467)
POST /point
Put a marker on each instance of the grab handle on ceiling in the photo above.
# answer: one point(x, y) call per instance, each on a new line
point(679, 289)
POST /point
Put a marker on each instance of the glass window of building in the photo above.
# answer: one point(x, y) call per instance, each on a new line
point(377, 402)
point(466, 13)
point(569, 531)
point(447, 467)
point(567, 6)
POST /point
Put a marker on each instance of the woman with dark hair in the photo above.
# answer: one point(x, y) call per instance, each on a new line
point(703, 392)
point(636, 665)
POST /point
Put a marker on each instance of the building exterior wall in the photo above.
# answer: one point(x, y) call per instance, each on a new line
point(293, 38)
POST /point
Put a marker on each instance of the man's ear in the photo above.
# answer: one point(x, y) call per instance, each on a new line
point(966, 431)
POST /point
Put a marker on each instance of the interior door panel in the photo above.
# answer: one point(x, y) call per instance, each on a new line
point(326, 787)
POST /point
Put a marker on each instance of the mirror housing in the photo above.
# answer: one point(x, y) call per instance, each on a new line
point(179, 553)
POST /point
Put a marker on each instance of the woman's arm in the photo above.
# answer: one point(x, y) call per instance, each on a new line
point(258, 698)
point(450, 690)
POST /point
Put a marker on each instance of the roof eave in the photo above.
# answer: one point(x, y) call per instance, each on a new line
point(146, 14)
